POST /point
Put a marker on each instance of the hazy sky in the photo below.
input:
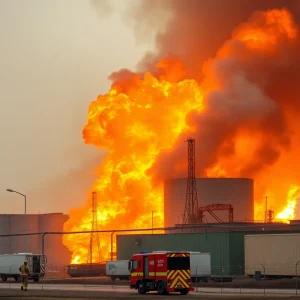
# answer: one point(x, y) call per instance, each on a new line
point(55, 58)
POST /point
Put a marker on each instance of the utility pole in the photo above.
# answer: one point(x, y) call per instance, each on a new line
point(266, 210)
point(25, 217)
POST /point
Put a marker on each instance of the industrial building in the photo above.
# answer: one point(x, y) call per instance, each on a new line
point(226, 248)
point(210, 215)
point(56, 252)
point(238, 192)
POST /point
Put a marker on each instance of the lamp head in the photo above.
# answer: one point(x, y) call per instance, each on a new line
point(10, 190)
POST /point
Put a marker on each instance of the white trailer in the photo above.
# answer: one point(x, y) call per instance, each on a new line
point(200, 265)
point(118, 269)
point(10, 264)
point(274, 255)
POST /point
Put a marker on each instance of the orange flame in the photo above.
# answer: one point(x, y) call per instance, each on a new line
point(133, 127)
point(139, 118)
point(289, 212)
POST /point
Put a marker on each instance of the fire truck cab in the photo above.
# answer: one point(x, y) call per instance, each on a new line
point(161, 272)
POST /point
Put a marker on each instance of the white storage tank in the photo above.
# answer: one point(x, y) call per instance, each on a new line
point(53, 243)
point(34, 223)
point(4, 229)
point(24, 224)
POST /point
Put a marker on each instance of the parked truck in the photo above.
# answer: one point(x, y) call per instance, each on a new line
point(10, 264)
point(200, 265)
point(272, 255)
point(118, 269)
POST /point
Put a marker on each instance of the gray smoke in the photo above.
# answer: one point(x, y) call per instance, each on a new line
point(255, 95)
point(251, 97)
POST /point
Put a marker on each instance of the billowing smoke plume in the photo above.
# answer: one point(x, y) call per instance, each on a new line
point(195, 30)
point(255, 93)
point(243, 99)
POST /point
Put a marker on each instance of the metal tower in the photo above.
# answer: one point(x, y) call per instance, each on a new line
point(191, 202)
point(94, 238)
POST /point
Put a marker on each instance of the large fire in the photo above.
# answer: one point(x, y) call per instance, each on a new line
point(142, 120)
point(289, 211)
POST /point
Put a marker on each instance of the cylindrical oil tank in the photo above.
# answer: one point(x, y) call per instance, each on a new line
point(4, 229)
point(24, 224)
point(57, 254)
point(235, 191)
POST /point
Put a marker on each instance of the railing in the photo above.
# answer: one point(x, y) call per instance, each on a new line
point(261, 279)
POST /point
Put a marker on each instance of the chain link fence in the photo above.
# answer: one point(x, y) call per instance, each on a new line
point(259, 279)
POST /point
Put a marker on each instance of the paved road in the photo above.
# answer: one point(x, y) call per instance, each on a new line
point(238, 282)
point(124, 290)
point(84, 295)
point(68, 287)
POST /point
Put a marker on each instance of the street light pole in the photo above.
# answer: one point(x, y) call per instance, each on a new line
point(25, 223)
point(152, 221)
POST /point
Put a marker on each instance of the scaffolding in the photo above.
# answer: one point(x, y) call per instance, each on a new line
point(214, 207)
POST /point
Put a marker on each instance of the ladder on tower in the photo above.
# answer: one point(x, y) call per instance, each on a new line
point(191, 202)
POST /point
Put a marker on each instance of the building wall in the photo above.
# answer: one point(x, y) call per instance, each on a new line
point(226, 248)
point(239, 192)
point(215, 243)
point(55, 251)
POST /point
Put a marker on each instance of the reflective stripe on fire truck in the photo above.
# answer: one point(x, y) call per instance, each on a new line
point(179, 278)
point(158, 274)
point(177, 255)
point(42, 269)
point(150, 274)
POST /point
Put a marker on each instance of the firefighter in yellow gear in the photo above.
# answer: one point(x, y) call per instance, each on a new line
point(24, 275)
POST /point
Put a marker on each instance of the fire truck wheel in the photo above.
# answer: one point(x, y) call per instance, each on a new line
point(161, 288)
point(141, 289)
point(184, 292)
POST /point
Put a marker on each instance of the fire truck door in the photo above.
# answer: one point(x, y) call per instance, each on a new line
point(146, 266)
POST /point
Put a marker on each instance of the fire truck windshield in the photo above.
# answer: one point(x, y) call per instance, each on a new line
point(178, 263)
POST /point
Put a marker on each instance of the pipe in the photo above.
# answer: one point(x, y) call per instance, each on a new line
point(43, 242)
point(111, 245)
point(155, 229)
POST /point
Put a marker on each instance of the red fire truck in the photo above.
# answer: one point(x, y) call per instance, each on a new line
point(162, 272)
